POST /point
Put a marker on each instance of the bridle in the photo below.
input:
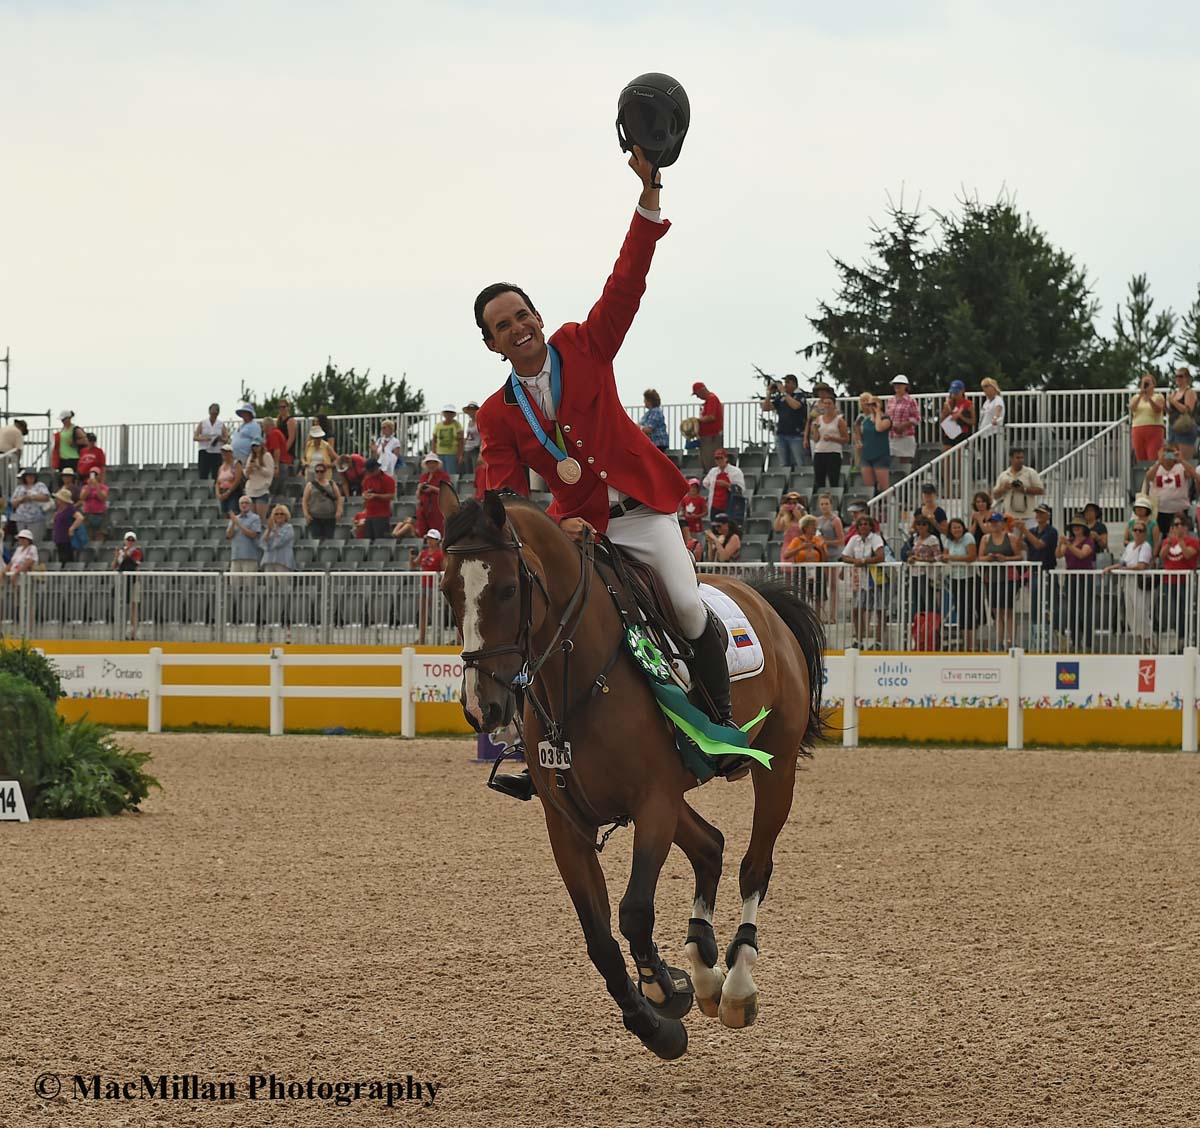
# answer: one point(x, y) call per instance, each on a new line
point(522, 645)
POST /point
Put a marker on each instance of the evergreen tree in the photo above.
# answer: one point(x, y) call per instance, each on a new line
point(1147, 337)
point(1187, 341)
point(980, 292)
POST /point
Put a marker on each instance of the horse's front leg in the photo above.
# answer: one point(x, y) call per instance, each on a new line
point(772, 802)
point(668, 989)
point(704, 846)
point(581, 873)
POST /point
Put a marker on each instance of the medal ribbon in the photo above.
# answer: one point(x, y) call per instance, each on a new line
point(556, 451)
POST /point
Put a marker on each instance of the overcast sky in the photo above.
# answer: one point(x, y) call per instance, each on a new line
point(197, 194)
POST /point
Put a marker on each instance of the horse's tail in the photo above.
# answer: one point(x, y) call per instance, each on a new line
point(804, 622)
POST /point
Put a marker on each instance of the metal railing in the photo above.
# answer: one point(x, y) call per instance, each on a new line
point(747, 426)
point(988, 607)
point(893, 606)
point(1097, 472)
point(956, 474)
point(351, 608)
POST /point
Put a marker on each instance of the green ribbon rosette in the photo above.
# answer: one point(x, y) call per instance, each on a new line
point(699, 739)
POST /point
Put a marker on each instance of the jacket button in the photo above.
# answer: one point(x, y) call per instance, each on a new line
point(579, 442)
point(567, 428)
point(591, 459)
point(603, 473)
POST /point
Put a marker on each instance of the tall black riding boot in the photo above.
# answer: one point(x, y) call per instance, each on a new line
point(711, 670)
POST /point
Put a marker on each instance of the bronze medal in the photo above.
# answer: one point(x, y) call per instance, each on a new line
point(569, 471)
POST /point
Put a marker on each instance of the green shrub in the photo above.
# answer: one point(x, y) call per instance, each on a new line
point(91, 775)
point(66, 771)
point(25, 662)
point(30, 734)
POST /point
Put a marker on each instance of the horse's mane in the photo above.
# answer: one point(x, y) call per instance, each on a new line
point(472, 522)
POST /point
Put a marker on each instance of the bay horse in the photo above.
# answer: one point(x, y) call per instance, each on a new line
point(539, 623)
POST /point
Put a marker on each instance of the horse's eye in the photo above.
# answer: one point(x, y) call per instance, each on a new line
point(506, 592)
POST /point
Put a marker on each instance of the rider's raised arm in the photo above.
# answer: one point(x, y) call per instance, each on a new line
point(610, 318)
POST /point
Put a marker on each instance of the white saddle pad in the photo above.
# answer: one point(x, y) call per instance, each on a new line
point(744, 652)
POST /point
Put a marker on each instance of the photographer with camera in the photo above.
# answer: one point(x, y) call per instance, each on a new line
point(1147, 409)
point(791, 420)
point(1018, 488)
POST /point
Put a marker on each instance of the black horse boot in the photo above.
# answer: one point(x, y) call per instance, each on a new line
point(710, 668)
point(519, 785)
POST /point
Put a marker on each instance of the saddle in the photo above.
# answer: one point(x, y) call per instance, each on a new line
point(640, 584)
point(642, 591)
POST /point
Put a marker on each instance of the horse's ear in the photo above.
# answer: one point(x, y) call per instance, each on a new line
point(493, 509)
point(447, 500)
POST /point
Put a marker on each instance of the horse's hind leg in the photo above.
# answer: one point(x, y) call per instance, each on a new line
point(668, 989)
point(772, 802)
point(584, 879)
point(704, 846)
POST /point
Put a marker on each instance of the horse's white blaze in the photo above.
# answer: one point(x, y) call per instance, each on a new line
point(475, 579)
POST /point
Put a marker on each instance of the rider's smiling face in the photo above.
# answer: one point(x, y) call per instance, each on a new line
point(515, 330)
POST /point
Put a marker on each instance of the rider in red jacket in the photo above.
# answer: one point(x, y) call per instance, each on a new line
point(559, 413)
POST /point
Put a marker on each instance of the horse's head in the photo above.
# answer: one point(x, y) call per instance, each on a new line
point(489, 586)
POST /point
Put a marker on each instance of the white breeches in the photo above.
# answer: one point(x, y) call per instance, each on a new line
point(654, 538)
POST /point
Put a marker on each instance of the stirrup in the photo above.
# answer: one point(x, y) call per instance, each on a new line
point(518, 786)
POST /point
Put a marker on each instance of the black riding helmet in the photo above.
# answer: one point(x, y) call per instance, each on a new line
point(653, 113)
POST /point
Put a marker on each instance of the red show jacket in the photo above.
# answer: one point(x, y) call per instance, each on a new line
point(609, 446)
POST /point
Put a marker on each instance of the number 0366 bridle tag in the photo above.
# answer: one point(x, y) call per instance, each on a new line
point(551, 757)
point(12, 802)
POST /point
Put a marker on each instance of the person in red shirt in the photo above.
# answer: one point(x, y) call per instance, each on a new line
point(431, 559)
point(275, 441)
point(1179, 553)
point(351, 469)
point(91, 457)
point(379, 491)
point(694, 507)
point(559, 413)
point(429, 484)
point(712, 424)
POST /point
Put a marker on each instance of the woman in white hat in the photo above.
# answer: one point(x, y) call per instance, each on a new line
point(448, 440)
point(24, 558)
point(429, 484)
point(67, 518)
point(471, 442)
point(316, 449)
point(432, 560)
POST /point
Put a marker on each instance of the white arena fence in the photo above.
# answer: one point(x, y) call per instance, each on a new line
point(747, 426)
point(276, 691)
point(894, 606)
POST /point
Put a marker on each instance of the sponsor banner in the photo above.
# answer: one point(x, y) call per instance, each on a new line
point(437, 678)
point(1105, 681)
point(939, 681)
point(112, 677)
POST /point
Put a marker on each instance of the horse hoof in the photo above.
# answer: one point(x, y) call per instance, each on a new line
point(737, 1013)
point(666, 1037)
point(710, 1004)
point(670, 1040)
point(680, 1001)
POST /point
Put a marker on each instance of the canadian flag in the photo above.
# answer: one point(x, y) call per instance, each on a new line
point(1147, 668)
